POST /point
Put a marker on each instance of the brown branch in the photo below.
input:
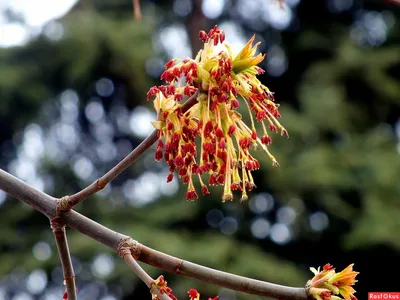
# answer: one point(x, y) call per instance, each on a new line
point(67, 202)
point(63, 251)
point(47, 205)
point(394, 2)
point(31, 196)
point(136, 10)
point(385, 2)
point(161, 296)
point(129, 250)
point(142, 274)
point(196, 22)
point(239, 283)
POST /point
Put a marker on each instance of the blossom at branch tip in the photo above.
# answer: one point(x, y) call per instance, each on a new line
point(161, 284)
point(162, 287)
point(194, 295)
point(327, 283)
point(226, 81)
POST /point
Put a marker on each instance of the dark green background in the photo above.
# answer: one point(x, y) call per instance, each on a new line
point(339, 101)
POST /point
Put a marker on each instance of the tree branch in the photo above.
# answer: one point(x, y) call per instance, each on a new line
point(67, 202)
point(136, 10)
point(394, 2)
point(63, 251)
point(239, 283)
point(47, 205)
point(24, 192)
point(133, 264)
point(161, 296)
point(196, 22)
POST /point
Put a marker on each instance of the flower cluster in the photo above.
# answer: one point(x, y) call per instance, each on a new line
point(225, 81)
point(327, 283)
point(162, 287)
point(161, 284)
point(194, 295)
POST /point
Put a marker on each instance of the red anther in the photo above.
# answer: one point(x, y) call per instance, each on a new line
point(272, 127)
point(170, 177)
point(204, 190)
point(153, 90)
point(158, 155)
point(254, 135)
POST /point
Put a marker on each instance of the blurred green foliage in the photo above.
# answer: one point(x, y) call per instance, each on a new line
point(339, 102)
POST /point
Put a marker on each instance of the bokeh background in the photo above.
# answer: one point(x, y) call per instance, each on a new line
point(73, 80)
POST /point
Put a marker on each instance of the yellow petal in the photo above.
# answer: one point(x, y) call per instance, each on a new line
point(247, 49)
point(158, 124)
point(243, 64)
point(346, 291)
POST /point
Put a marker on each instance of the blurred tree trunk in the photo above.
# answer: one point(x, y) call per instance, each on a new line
point(197, 21)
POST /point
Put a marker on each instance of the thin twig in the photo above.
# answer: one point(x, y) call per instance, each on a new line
point(239, 283)
point(161, 296)
point(70, 201)
point(136, 10)
point(31, 196)
point(114, 172)
point(63, 251)
point(47, 205)
point(394, 2)
point(142, 274)
point(385, 2)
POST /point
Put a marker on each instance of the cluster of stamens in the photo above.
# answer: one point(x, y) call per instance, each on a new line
point(327, 284)
point(225, 81)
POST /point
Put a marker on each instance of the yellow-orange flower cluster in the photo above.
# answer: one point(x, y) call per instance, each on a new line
point(327, 283)
point(226, 81)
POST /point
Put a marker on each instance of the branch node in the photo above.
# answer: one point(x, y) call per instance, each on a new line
point(101, 184)
point(128, 246)
point(179, 266)
point(63, 204)
point(68, 278)
point(307, 289)
point(57, 226)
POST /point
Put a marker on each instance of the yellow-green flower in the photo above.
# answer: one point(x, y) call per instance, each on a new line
point(226, 81)
point(327, 283)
